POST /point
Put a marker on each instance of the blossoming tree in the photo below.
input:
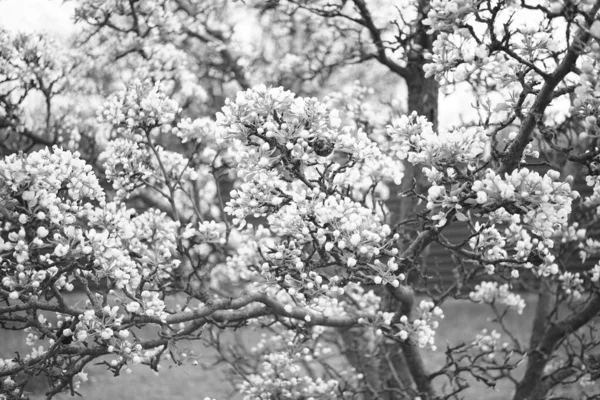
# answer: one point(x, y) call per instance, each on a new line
point(308, 219)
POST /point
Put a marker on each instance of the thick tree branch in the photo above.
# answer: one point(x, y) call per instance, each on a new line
point(514, 152)
point(529, 388)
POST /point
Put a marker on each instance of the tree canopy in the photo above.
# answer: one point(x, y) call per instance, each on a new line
point(191, 168)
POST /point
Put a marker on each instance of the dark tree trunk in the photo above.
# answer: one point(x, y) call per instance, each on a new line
point(399, 368)
point(528, 387)
point(423, 95)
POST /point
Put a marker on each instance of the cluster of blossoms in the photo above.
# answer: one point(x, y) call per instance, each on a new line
point(132, 160)
point(535, 253)
point(279, 373)
point(447, 158)
point(586, 104)
point(414, 140)
point(155, 244)
point(32, 61)
point(138, 107)
point(590, 248)
point(543, 202)
point(593, 201)
point(464, 44)
point(196, 131)
point(572, 283)
point(258, 195)
point(518, 248)
point(443, 201)
point(130, 249)
point(488, 342)
point(276, 114)
point(309, 289)
point(456, 53)
point(421, 329)
point(289, 143)
point(288, 170)
point(8, 384)
point(445, 15)
point(369, 165)
point(573, 233)
point(339, 224)
point(137, 166)
point(111, 227)
point(540, 202)
point(206, 232)
point(281, 377)
point(360, 300)
point(127, 165)
point(490, 243)
point(44, 195)
point(492, 293)
point(56, 217)
point(353, 299)
point(106, 326)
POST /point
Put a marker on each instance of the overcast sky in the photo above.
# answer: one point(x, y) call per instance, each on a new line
point(36, 16)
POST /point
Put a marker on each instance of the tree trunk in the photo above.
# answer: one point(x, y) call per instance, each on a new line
point(400, 367)
point(528, 387)
point(423, 96)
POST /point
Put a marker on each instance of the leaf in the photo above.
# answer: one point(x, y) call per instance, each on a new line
point(461, 217)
